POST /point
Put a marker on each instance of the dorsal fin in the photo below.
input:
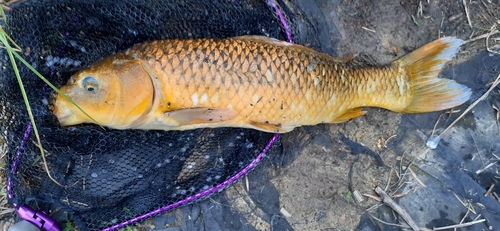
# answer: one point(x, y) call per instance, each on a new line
point(272, 41)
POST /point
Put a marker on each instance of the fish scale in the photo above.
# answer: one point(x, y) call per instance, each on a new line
point(254, 82)
point(288, 86)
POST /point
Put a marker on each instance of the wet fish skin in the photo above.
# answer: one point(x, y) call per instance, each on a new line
point(253, 82)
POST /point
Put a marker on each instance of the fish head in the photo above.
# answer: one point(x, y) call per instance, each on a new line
point(115, 93)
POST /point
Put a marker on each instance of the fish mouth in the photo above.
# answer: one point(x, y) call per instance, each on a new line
point(64, 114)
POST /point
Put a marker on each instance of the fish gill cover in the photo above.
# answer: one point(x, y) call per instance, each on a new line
point(109, 177)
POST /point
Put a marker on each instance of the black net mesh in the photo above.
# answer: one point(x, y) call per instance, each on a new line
point(109, 177)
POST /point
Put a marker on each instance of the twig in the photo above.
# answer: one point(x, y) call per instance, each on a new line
point(6, 211)
point(477, 149)
point(465, 216)
point(416, 178)
point(387, 223)
point(498, 158)
point(486, 167)
point(388, 201)
point(420, 11)
point(368, 29)
point(375, 206)
point(439, 118)
point(247, 184)
point(466, 205)
point(405, 192)
point(12, 2)
point(460, 225)
point(14, 49)
point(493, 28)
point(497, 81)
point(496, 196)
point(497, 116)
point(389, 180)
point(45, 163)
point(481, 36)
point(388, 139)
point(489, 190)
point(464, 2)
point(372, 196)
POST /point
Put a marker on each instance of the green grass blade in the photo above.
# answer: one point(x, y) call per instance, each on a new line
point(12, 41)
point(4, 17)
point(3, 14)
point(415, 20)
point(20, 58)
point(10, 52)
point(4, 38)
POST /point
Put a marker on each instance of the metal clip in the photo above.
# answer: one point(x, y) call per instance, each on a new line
point(38, 218)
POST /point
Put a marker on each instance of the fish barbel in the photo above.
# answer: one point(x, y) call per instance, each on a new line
point(251, 82)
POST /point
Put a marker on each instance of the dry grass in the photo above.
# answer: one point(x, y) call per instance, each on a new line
point(6, 210)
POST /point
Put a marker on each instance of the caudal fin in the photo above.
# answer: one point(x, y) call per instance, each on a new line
point(430, 93)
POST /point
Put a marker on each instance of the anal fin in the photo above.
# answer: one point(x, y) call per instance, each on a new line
point(349, 114)
point(191, 116)
point(267, 127)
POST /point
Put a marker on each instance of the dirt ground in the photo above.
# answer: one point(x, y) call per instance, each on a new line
point(314, 188)
point(311, 186)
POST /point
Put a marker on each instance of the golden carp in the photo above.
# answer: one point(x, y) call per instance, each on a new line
point(251, 82)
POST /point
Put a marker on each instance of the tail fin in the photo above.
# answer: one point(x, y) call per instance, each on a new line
point(430, 93)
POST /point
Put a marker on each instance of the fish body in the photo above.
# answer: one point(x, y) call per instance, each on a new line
point(251, 82)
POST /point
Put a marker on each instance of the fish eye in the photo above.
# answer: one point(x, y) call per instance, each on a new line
point(90, 84)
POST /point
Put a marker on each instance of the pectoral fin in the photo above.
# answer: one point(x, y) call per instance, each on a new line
point(191, 116)
point(349, 114)
point(267, 127)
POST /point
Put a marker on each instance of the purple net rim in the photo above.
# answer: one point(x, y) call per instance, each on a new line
point(10, 192)
point(284, 23)
point(202, 194)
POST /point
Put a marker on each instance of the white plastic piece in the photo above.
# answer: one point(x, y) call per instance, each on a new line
point(285, 213)
point(357, 195)
point(23, 226)
point(433, 141)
